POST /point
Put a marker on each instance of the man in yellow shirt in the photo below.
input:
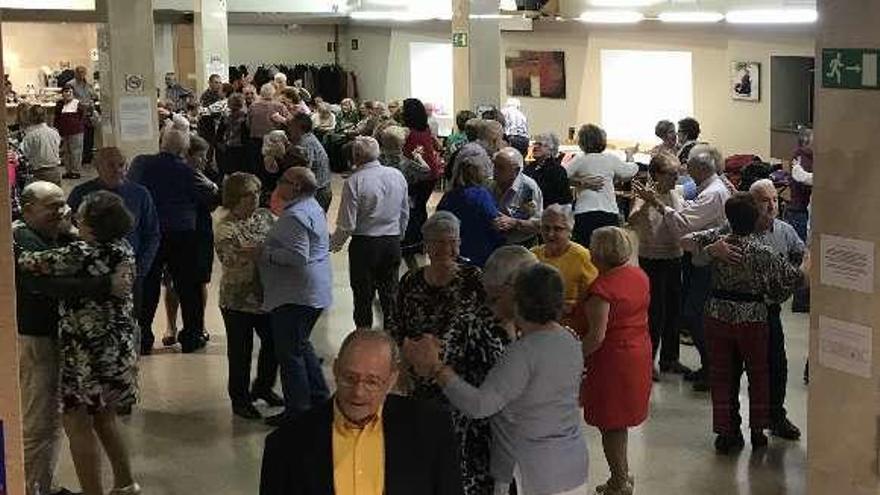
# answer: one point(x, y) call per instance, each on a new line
point(364, 441)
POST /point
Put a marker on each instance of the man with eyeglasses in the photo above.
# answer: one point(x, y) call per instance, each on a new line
point(364, 441)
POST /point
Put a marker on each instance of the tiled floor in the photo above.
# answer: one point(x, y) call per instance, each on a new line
point(184, 439)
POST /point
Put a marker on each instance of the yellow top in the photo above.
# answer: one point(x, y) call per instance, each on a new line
point(576, 267)
point(358, 456)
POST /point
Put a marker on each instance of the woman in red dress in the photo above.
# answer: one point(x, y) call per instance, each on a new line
point(617, 352)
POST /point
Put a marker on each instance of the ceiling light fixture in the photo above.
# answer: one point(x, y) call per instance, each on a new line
point(777, 16)
point(612, 17)
point(691, 17)
point(371, 15)
point(624, 3)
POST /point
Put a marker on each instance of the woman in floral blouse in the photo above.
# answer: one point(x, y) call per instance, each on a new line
point(97, 342)
point(447, 299)
point(736, 321)
point(237, 239)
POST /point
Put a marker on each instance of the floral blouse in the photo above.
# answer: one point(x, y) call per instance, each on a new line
point(240, 287)
point(762, 275)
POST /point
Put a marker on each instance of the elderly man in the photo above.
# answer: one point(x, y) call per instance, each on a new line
point(299, 130)
point(516, 125)
point(85, 93)
point(364, 441)
point(250, 94)
point(374, 212)
point(145, 236)
point(784, 240)
point(297, 286)
point(44, 227)
point(519, 199)
point(214, 93)
point(706, 211)
point(177, 195)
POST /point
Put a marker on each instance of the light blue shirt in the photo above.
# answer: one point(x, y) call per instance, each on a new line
point(295, 259)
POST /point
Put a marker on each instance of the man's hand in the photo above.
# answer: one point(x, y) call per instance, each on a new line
point(337, 242)
point(504, 223)
point(278, 118)
point(122, 281)
point(589, 182)
point(648, 195)
point(723, 251)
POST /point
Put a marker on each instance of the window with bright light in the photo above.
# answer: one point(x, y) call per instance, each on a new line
point(431, 74)
point(640, 88)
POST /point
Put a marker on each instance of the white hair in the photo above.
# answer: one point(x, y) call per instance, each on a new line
point(513, 102)
point(175, 137)
point(550, 141)
point(280, 77)
point(505, 264)
point(365, 149)
point(703, 160)
point(441, 224)
point(765, 184)
point(275, 144)
point(556, 210)
point(267, 90)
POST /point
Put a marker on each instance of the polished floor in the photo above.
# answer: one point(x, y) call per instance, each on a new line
point(184, 439)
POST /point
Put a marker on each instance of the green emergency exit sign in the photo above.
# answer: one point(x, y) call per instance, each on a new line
point(460, 40)
point(850, 68)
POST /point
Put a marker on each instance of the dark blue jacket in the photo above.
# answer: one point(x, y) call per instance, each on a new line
point(476, 210)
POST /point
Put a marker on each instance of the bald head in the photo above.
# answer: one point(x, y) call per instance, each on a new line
point(43, 208)
point(366, 371)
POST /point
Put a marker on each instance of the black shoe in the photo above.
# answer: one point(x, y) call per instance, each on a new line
point(65, 491)
point(278, 420)
point(269, 397)
point(675, 368)
point(69, 175)
point(695, 375)
point(701, 385)
point(725, 444)
point(759, 439)
point(246, 411)
point(146, 349)
point(190, 345)
point(785, 429)
point(124, 410)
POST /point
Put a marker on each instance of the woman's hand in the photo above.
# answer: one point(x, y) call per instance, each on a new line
point(423, 353)
point(278, 118)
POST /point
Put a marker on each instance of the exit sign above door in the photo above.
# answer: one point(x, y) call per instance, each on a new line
point(850, 68)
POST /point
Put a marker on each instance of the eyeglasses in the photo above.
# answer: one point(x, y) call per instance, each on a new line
point(553, 228)
point(372, 384)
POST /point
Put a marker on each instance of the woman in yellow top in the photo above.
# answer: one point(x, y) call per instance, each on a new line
point(571, 259)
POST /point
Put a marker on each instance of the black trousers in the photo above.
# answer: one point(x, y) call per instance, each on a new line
point(240, 329)
point(586, 223)
point(373, 265)
point(663, 313)
point(178, 251)
point(324, 196)
point(778, 364)
point(88, 143)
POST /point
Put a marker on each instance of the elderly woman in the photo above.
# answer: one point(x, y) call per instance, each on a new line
point(260, 122)
point(348, 116)
point(665, 131)
point(660, 256)
point(530, 394)
point(595, 208)
point(238, 237)
point(433, 301)
point(324, 120)
point(736, 321)
point(617, 352)
point(547, 170)
point(571, 259)
point(472, 203)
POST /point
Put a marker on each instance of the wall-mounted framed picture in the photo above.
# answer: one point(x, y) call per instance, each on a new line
point(745, 81)
point(535, 74)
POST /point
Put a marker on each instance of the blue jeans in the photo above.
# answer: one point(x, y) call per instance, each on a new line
point(302, 380)
point(698, 282)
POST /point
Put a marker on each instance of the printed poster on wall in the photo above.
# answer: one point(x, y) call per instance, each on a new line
point(845, 346)
point(136, 118)
point(847, 263)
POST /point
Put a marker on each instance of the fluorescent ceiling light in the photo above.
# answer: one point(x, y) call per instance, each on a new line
point(691, 17)
point(371, 15)
point(492, 16)
point(624, 3)
point(777, 16)
point(507, 5)
point(612, 16)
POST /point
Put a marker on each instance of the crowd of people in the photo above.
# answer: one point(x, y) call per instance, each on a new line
point(537, 304)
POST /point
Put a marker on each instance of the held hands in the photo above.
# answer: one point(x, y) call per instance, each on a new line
point(504, 223)
point(423, 354)
point(278, 118)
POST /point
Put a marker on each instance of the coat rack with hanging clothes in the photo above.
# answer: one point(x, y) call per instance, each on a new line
point(332, 82)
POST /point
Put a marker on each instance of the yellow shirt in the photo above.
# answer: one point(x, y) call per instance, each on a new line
point(358, 456)
point(576, 267)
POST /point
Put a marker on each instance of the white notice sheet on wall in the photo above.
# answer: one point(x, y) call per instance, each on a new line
point(136, 118)
point(845, 346)
point(847, 263)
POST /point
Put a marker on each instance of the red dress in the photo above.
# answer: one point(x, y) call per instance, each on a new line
point(616, 387)
point(424, 139)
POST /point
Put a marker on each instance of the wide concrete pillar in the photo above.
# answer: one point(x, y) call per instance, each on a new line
point(844, 400)
point(128, 82)
point(10, 403)
point(211, 41)
point(484, 48)
point(461, 60)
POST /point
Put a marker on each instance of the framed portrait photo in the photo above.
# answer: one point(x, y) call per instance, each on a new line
point(745, 81)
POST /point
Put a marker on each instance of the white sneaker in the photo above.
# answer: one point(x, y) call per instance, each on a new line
point(132, 489)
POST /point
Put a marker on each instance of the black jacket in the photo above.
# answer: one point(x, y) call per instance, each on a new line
point(420, 452)
point(553, 181)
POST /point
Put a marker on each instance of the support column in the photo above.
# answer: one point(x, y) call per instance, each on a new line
point(128, 82)
point(461, 69)
point(10, 397)
point(484, 48)
point(844, 401)
point(211, 41)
